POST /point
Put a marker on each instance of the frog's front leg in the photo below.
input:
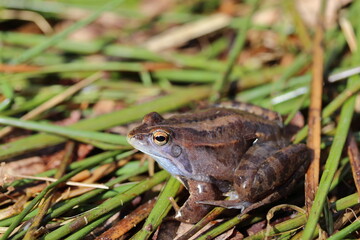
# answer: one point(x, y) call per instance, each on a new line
point(266, 174)
point(192, 211)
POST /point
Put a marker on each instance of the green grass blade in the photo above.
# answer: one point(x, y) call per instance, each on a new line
point(223, 227)
point(32, 52)
point(346, 231)
point(162, 104)
point(68, 132)
point(106, 207)
point(95, 160)
point(29, 40)
point(159, 211)
point(71, 167)
point(223, 81)
point(89, 227)
point(331, 166)
point(331, 107)
point(96, 192)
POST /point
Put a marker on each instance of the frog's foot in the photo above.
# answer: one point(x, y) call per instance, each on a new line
point(232, 204)
point(243, 206)
point(192, 211)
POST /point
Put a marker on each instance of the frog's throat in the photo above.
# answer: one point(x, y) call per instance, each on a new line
point(168, 165)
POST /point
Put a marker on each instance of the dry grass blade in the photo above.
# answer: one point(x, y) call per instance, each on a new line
point(32, 52)
point(128, 222)
point(160, 210)
point(299, 24)
point(173, 57)
point(314, 121)
point(354, 156)
point(8, 68)
point(32, 233)
point(37, 18)
point(180, 35)
point(202, 223)
point(107, 206)
point(92, 160)
point(165, 103)
point(220, 87)
point(331, 165)
point(346, 217)
point(70, 183)
point(349, 34)
point(55, 100)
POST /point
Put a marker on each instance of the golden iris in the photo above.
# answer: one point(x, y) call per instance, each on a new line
point(160, 137)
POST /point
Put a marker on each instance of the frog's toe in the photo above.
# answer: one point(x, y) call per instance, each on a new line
point(232, 204)
point(192, 212)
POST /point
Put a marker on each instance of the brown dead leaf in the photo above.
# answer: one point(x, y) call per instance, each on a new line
point(18, 68)
point(14, 209)
point(237, 236)
point(84, 34)
point(179, 35)
point(309, 9)
point(267, 17)
point(32, 191)
point(92, 177)
point(287, 59)
point(153, 66)
point(84, 150)
point(155, 8)
point(103, 106)
point(228, 7)
point(106, 22)
point(296, 123)
point(73, 118)
point(101, 171)
point(109, 20)
point(81, 176)
point(71, 193)
point(226, 235)
point(26, 166)
point(53, 160)
point(184, 227)
point(257, 227)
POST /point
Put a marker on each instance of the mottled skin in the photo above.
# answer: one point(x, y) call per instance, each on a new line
point(230, 149)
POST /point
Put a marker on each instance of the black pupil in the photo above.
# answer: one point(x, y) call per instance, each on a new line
point(160, 138)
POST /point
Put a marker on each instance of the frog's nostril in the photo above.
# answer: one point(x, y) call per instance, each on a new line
point(139, 137)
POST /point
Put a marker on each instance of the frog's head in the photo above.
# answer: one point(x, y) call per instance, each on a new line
point(157, 138)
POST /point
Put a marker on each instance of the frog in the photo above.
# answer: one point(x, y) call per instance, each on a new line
point(233, 155)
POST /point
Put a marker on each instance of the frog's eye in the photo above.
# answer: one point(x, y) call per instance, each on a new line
point(160, 137)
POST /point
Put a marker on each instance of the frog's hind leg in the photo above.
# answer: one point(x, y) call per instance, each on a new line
point(263, 179)
point(246, 171)
point(266, 175)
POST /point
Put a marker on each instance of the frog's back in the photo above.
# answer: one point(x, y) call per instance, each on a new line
point(264, 113)
point(219, 124)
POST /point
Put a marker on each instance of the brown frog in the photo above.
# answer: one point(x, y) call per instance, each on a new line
point(233, 149)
